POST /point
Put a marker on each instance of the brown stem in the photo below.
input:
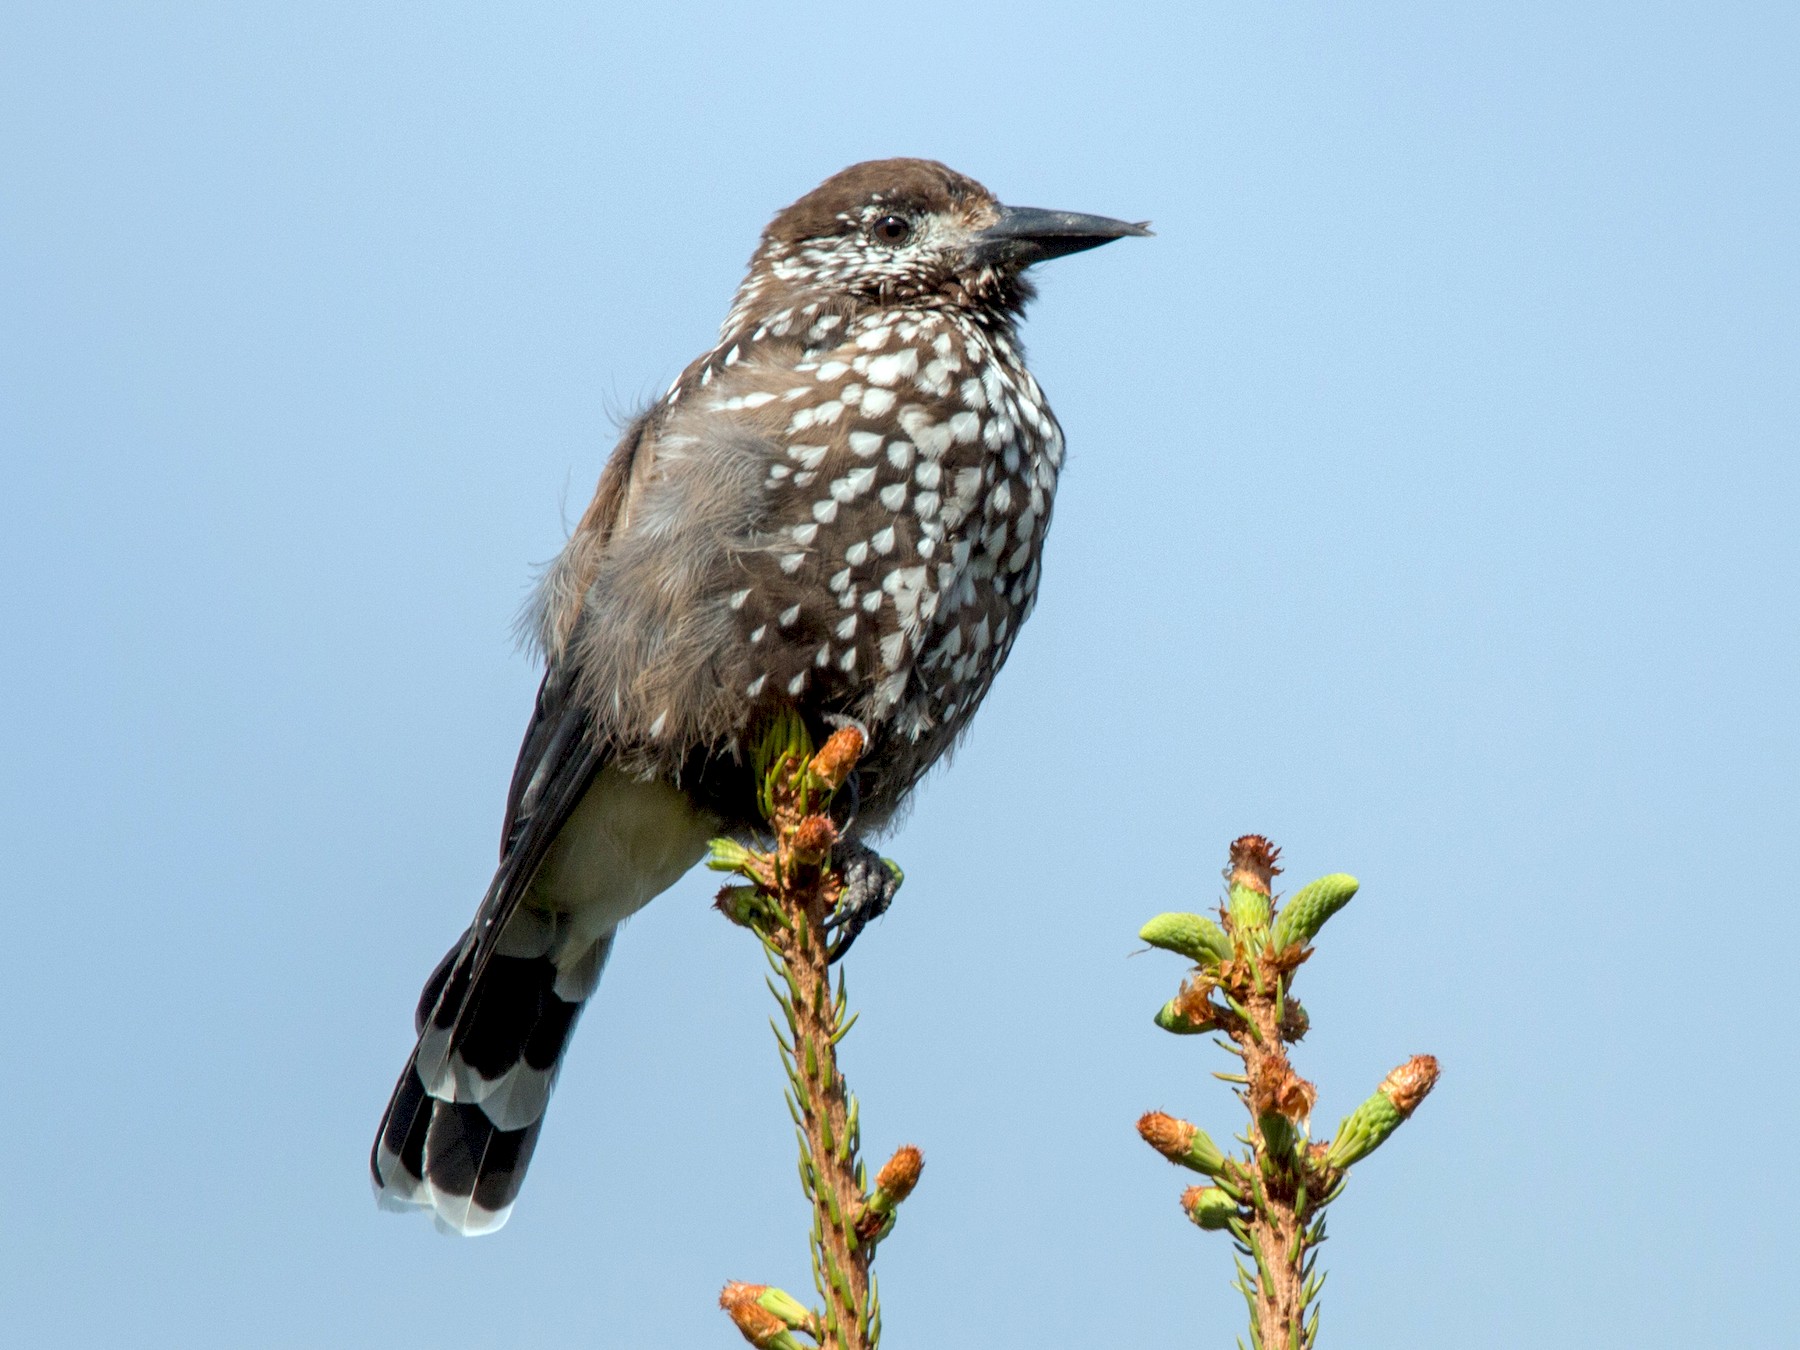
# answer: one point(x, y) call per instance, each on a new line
point(806, 890)
point(1277, 1222)
point(794, 896)
point(1289, 1184)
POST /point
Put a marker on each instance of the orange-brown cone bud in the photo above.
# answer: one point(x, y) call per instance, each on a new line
point(837, 757)
point(1182, 1143)
point(760, 1326)
point(814, 836)
point(1407, 1085)
point(1253, 863)
point(900, 1173)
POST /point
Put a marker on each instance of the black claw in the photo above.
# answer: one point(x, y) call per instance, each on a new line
point(869, 886)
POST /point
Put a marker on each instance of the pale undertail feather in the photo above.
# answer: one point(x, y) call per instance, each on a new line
point(464, 1118)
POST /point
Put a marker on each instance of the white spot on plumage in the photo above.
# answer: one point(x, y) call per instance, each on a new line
point(810, 456)
point(882, 541)
point(795, 685)
point(853, 484)
point(738, 598)
point(805, 534)
point(758, 633)
point(825, 511)
point(932, 437)
point(755, 686)
point(900, 454)
point(891, 646)
point(893, 496)
point(888, 692)
point(790, 562)
point(865, 443)
point(857, 553)
point(993, 384)
point(787, 616)
point(877, 402)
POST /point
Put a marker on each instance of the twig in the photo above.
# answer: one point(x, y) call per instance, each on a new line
point(1271, 1200)
point(793, 895)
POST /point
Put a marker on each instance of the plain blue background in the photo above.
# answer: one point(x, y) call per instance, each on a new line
point(1431, 508)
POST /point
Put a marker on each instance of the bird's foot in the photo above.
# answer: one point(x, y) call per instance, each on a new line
point(870, 881)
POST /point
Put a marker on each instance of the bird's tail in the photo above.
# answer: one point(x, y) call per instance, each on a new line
point(462, 1122)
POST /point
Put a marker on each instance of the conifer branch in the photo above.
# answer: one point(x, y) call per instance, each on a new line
point(792, 896)
point(1271, 1199)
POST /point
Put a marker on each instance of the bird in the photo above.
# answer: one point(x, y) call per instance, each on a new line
point(839, 509)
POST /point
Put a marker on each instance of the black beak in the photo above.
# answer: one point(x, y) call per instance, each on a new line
point(1025, 235)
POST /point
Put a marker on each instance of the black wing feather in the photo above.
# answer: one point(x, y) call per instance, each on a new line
point(557, 763)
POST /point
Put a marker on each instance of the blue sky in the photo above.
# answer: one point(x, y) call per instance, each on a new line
point(1430, 508)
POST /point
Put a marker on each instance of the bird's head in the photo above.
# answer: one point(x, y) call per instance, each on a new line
point(911, 231)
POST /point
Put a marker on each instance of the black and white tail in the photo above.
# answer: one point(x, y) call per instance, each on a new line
point(462, 1123)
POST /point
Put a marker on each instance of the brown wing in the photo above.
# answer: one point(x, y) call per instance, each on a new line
point(563, 749)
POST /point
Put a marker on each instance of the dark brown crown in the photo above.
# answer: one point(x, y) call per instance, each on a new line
point(909, 186)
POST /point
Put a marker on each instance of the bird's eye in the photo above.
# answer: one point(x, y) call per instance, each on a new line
point(892, 229)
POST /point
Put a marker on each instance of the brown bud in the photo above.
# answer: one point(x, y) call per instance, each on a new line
point(1294, 1021)
point(900, 1173)
point(1253, 863)
point(1295, 1097)
point(838, 756)
point(1167, 1135)
point(1194, 1003)
point(1407, 1085)
point(1280, 1090)
point(1209, 1206)
point(759, 1325)
point(814, 836)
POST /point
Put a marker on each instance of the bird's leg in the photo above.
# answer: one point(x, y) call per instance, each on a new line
point(870, 881)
